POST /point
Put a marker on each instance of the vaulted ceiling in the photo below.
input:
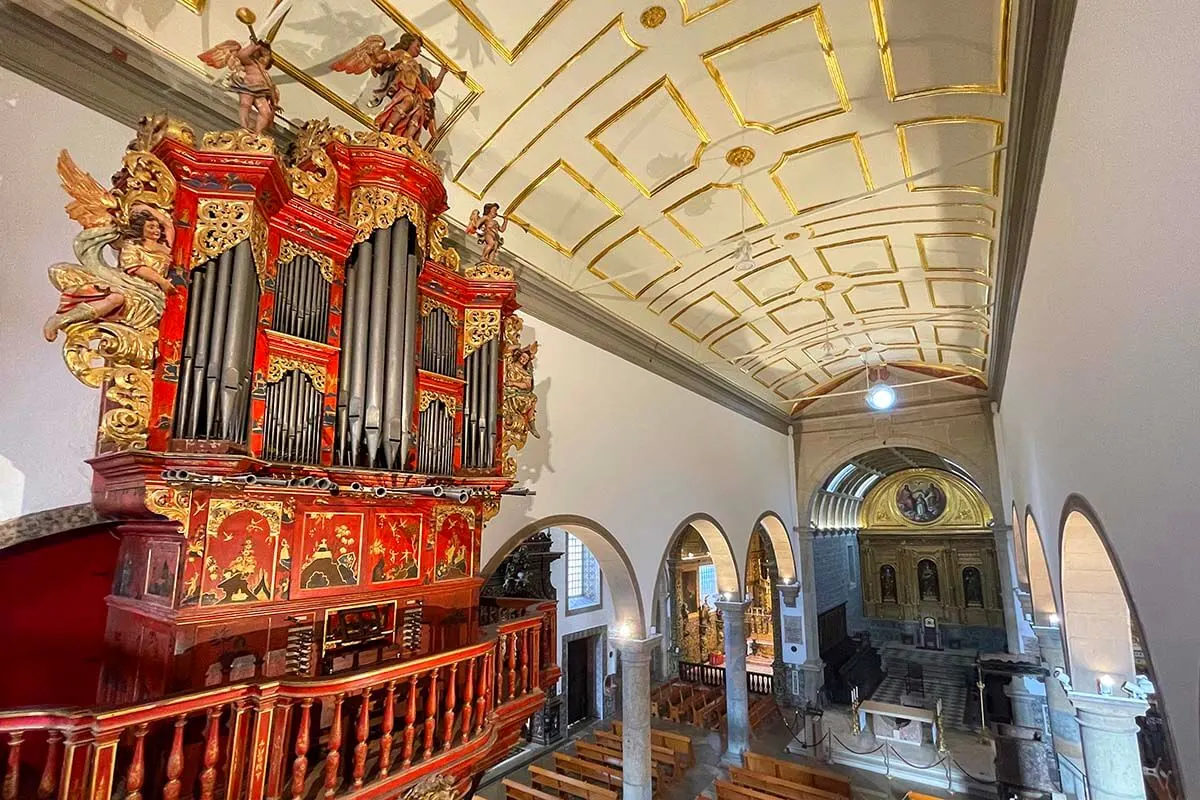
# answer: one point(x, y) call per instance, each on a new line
point(859, 143)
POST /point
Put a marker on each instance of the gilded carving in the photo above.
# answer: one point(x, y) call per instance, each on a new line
point(446, 400)
point(289, 250)
point(401, 145)
point(311, 171)
point(373, 207)
point(239, 141)
point(153, 128)
point(171, 502)
point(278, 366)
point(438, 251)
point(441, 512)
point(434, 787)
point(488, 272)
point(110, 314)
point(429, 304)
point(220, 224)
point(258, 246)
point(489, 507)
point(480, 325)
point(519, 409)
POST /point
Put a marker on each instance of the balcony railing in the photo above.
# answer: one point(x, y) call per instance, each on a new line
point(709, 675)
point(350, 735)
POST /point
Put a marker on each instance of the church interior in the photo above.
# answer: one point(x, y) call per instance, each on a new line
point(722, 399)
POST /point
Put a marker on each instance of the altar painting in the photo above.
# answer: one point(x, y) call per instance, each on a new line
point(395, 553)
point(920, 500)
point(240, 549)
point(331, 551)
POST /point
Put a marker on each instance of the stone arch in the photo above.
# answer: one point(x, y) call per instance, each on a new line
point(1020, 549)
point(1041, 589)
point(777, 534)
point(729, 576)
point(1097, 617)
point(614, 564)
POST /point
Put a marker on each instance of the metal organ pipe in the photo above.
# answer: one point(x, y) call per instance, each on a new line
point(358, 349)
point(408, 360)
point(341, 444)
point(397, 318)
point(185, 400)
point(373, 416)
point(242, 297)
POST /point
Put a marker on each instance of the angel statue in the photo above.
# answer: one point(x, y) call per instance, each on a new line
point(488, 226)
point(406, 88)
point(249, 77)
point(134, 291)
point(519, 406)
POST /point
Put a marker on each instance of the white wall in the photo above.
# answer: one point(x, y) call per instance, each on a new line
point(47, 418)
point(1102, 384)
point(570, 623)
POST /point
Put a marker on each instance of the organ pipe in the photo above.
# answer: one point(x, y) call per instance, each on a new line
point(481, 406)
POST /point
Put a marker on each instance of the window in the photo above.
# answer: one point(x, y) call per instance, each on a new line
point(583, 577)
point(708, 583)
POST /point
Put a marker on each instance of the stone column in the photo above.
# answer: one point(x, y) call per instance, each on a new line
point(813, 668)
point(635, 715)
point(1062, 718)
point(737, 692)
point(1006, 566)
point(1112, 761)
point(789, 679)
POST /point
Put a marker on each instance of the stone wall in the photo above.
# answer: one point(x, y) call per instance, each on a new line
point(836, 565)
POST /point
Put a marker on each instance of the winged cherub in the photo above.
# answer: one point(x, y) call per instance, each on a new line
point(406, 88)
point(487, 227)
point(134, 292)
point(249, 77)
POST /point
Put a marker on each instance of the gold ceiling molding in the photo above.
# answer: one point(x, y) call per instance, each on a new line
point(933, 301)
point(740, 156)
point(875, 340)
point(812, 233)
point(619, 24)
point(669, 211)
point(780, 379)
point(702, 137)
point(653, 16)
point(965, 508)
point(586, 185)
point(773, 315)
point(854, 310)
point(616, 284)
point(798, 152)
point(321, 90)
point(764, 340)
point(790, 260)
point(902, 129)
point(924, 221)
point(823, 250)
point(998, 86)
point(923, 252)
point(982, 330)
point(814, 15)
point(725, 257)
point(735, 314)
point(489, 36)
point(691, 15)
point(195, 6)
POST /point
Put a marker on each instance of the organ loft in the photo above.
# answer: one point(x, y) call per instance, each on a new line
point(310, 409)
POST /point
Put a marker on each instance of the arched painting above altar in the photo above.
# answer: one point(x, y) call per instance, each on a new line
point(923, 499)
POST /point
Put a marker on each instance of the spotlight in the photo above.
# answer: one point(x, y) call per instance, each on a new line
point(1106, 684)
point(881, 397)
point(1054, 620)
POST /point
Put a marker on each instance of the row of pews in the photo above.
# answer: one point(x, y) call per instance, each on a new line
point(703, 706)
point(766, 778)
point(594, 770)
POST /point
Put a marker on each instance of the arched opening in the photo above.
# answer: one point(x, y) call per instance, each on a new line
point(1045, 608)
point(762, 576)
point(1021, 556)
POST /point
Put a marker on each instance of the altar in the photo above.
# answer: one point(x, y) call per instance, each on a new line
point(898, 723)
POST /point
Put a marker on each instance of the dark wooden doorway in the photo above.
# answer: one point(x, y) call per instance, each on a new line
point(581, 669)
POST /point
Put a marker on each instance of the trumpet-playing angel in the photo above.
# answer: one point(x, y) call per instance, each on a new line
point(249, 77)
point(406, 88)
point(134, 291)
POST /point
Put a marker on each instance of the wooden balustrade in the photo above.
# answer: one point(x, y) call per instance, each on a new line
point(263, 741)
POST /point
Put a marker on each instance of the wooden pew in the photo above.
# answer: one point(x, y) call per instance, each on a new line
point(600, 774)
point(662, 755)
point(727, 790)
point(919, 796)
point(799, 773)
point(659, 764)
point(519, 791)
point(760, 711)
point(677, 742)
point(778, 786)
point(563, 785)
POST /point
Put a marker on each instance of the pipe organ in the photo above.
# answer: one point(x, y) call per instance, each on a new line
point(302, 450)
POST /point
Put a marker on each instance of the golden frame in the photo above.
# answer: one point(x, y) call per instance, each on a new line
point(819, 301)
point(812, 234)
point(669, 211)
point(691, 335)
point(692, 16)
point(585, 184)
point(799, 373)
point(923, 254)
point(906, 162)
point(855, 311)
point(788, 155)
point(987, 296)
point(916, 342)
point(492, 39)
point(195, 6)
point(713, 346)
point(760, 302)
point(887, 245)
point(795, 368)
point(999, 86)
point(817, 17)
point(689, 116)
point(592, 268)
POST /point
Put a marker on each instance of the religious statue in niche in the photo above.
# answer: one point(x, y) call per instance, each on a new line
point(406, 88)
point(487, 227)
point(887, 584)
point(921, 501)
point(972, 587)
point(248, 75)
point(332, 550)
point(396, 549)
point(927, 581)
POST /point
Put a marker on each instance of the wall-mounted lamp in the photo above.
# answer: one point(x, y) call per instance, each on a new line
point(624, 630)
point(1054, 620)
point(1106, 684)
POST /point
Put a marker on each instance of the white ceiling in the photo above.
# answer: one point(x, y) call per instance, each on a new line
point(607, 141)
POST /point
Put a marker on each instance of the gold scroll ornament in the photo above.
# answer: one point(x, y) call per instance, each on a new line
point(434, 787)
point(373, 207)
point(278, 366)
point(519, 410)
point(220, 224)
point(440, 252)
point(311, 172)
point(400, 145)
point(427, 397)
point(481, 325)
point(429, 304)
point(239, 141)
point(488, 272)
point(289, 250)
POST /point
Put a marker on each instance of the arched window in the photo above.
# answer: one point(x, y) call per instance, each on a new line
point(972, 581)
point(887, 584)
point(927, 580)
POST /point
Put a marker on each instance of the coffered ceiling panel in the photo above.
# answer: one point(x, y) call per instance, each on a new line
point(859, 145)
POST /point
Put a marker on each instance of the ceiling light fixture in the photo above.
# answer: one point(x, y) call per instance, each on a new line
point(743, 256)
point(880, 396)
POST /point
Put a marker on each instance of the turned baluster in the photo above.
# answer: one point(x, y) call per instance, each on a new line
point(135, 775)
point(175, 761)
point(49, 780)
point(13, 773)
point(212, 750)
point(525, 675)
point(535, 658)
point(468, 697)
point(449, 701)
point(485, 667)
point(430, 713)
point(279, 734)
point(360, 737)
point(389, 722)
point(300, 765)
point(512, 665)
point(333, 758)
point(410, 720)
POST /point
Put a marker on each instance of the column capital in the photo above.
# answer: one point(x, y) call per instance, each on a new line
point(1107, 712)
point(635, 651)
point(734, 607)
point(790, 592)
